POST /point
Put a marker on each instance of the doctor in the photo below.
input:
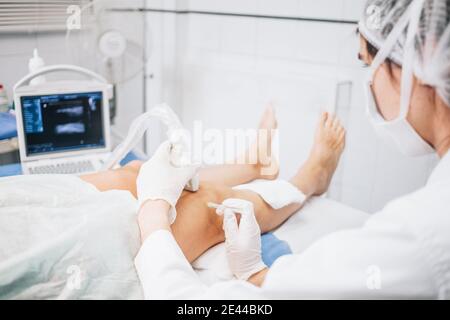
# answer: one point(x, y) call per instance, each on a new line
point(403, 251)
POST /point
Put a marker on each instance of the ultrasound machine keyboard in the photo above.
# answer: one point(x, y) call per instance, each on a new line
point(64, 168)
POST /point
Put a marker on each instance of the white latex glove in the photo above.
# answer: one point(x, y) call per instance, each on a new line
point(158, 179)
point(243, 241)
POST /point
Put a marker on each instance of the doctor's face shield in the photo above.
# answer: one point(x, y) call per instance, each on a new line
point(415, 36)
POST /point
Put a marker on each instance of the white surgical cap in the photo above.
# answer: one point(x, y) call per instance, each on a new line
point(432, 39)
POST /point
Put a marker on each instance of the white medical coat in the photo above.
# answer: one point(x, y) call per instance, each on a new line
point(403, 251)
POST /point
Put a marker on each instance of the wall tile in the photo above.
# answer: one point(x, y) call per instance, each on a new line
point(353, 9)
point(129, 3)
point(13, 69)
point(234, 6)
point(274, 38)
point(349, 46)
point(12, 44)
point(204, 32)
point(357, 197)
point(238, 35)
point(325, 9)
point(317, 42)
point(279, 8)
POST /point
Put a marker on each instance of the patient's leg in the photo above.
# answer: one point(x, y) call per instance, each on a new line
point(243, 171)
point(198, 227)
point(124, 178)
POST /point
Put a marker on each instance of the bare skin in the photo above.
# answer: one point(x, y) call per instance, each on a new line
point(266, 166)
point(315, 175)
point(197, 227)
point(226, 175)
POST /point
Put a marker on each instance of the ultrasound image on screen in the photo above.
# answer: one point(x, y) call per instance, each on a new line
point(70, 128)
point(55, 123)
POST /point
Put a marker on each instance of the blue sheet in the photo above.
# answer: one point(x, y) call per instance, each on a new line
point(7, 170)
point(15, 169)
point(8, 128)
point(272, 248)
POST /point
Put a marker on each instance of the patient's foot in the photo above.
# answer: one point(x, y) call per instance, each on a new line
point(267, 164)
point(315, 175)
point(259, 155)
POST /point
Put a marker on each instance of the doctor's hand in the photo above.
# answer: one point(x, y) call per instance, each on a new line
point(158, 179)
point(243, 241)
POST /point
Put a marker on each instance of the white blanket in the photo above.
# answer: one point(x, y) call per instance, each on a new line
point(60, 238)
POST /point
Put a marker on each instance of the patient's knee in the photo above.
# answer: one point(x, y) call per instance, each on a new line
point(194, 205)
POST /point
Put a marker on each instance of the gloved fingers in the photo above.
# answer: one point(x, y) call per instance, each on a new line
point(219, 210)
point(163, 151)
point(172, 214)
point(179, 136)
point(239, 205)
point(186, 173)
point(245, 208)
point(235, 202)
point(248, 222)
point(193, 169)
point(230, 225)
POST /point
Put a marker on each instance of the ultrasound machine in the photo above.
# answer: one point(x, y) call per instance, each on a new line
point(63, 126)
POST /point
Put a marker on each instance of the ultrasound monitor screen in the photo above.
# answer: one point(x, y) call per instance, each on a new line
point(63, 122)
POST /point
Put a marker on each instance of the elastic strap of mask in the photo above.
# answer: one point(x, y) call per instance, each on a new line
point(408, 57)
point(390, 42)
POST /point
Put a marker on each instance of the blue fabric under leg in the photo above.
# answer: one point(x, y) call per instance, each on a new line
point(272, 248)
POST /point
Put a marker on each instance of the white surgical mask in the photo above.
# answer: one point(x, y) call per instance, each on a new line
point(398, 132)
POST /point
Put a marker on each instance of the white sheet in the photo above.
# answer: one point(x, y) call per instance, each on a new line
point(62, 239)
point(319, 217)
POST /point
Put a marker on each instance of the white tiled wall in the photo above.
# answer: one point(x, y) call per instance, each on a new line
point(223, 70)
point(227, 68)
point(16, 50)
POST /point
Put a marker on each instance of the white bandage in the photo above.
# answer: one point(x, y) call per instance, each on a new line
point(276, 193)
